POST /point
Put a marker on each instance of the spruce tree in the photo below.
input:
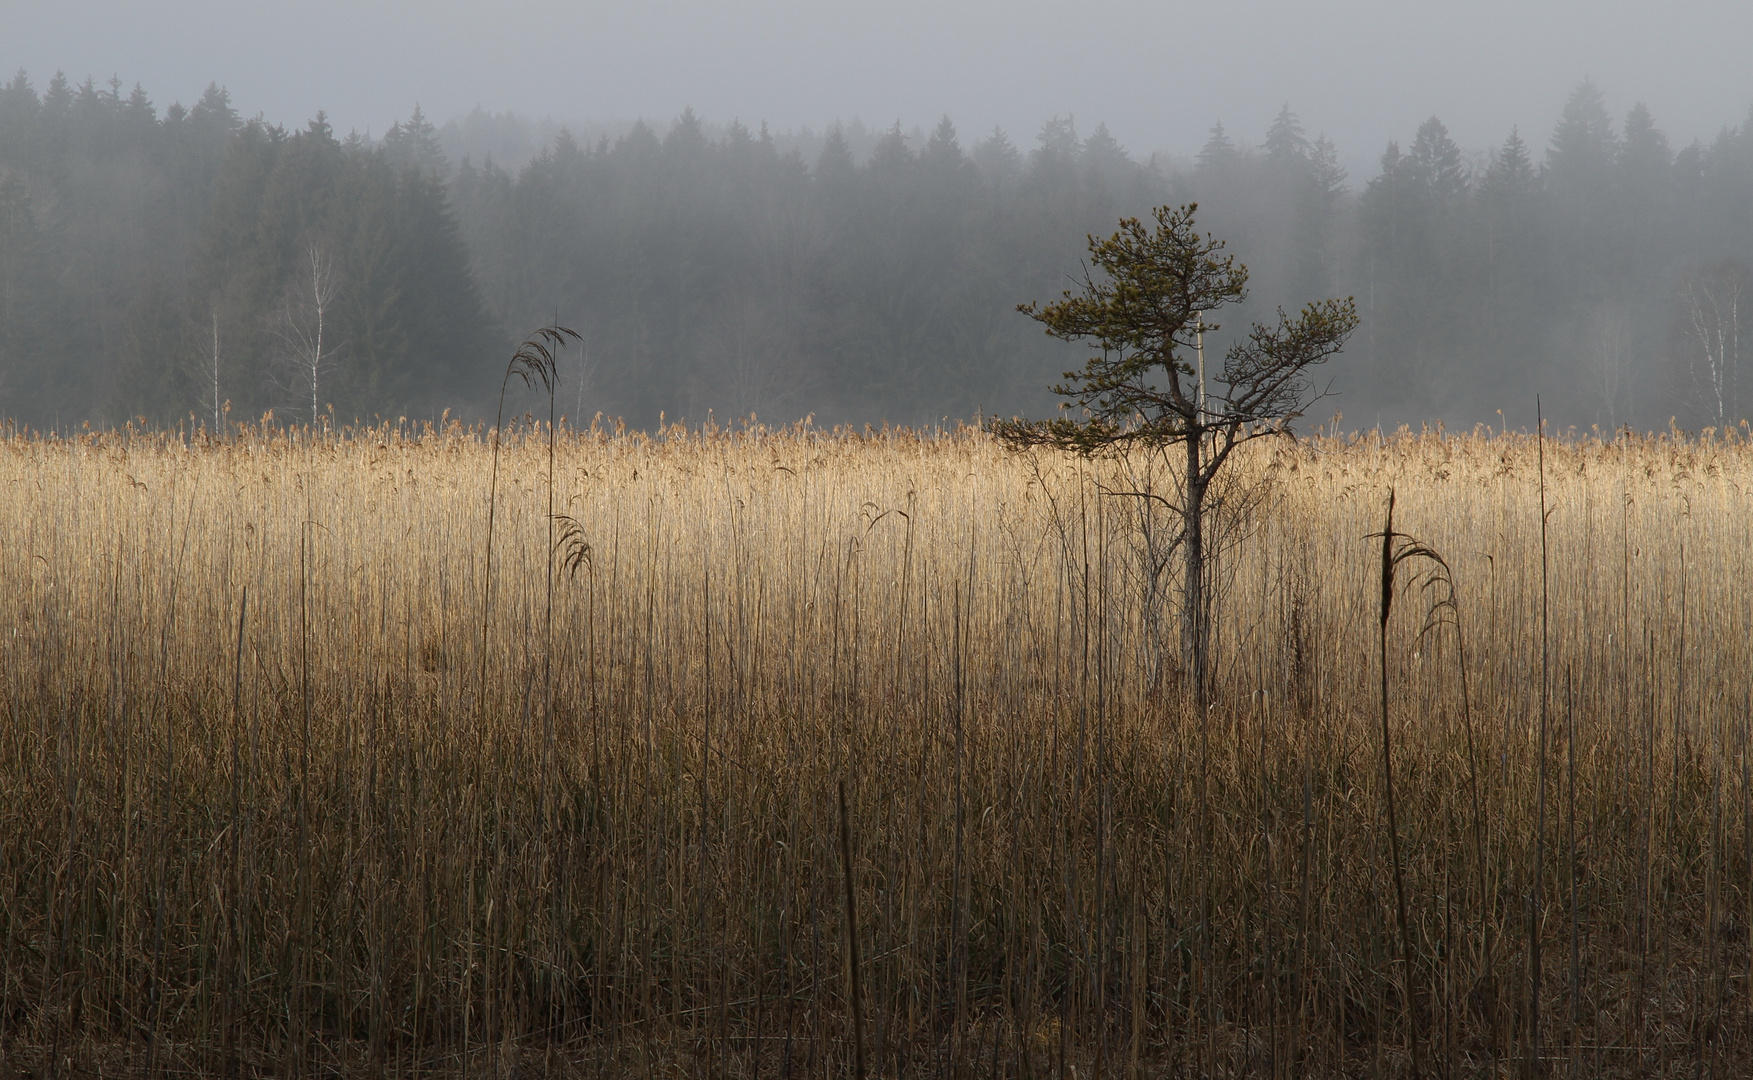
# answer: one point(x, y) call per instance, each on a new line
point(413, 144)
point(999, 160)
point(1579, 161)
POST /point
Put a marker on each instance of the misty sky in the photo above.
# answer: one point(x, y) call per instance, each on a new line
point(1159, 74)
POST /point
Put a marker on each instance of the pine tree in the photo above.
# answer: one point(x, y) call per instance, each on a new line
point(1579, 180)
point(1645, 159)
point(1218, 155)
point(20, 112)
point(1511, 247)
point(1139, 387)
point(892, 158)
point(1436, 169)
point(1315, 219)
point(1414, 301)
point(1104, 159)
point(942, 156)
point(834, 166)
point(1108, 173)
point(1579, 161)
point(214, 114)
point(1053, 164)
point(1641, 216)
point(413, 144)
point(1286, 146)
point(999, 161)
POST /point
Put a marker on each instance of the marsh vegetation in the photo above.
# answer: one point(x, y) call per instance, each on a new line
point(332, 826)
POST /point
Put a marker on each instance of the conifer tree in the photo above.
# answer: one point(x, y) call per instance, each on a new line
point(414, 144)
point(1145, 318)
point(999, 160)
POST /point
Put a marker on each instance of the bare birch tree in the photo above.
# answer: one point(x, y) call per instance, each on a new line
point(303, 323)
point(213, 369)
point(1710, 335)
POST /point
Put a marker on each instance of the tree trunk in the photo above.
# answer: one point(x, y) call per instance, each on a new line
point(1193, 651)
point(216, 373)
point(316, 356)
point(1195, 631)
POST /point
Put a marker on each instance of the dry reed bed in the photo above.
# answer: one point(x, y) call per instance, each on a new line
point(324, 844)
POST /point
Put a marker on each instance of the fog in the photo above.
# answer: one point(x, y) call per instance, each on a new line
point(1158, 74)
point(791, 209)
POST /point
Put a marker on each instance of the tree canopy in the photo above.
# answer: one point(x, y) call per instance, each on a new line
point(858, 273)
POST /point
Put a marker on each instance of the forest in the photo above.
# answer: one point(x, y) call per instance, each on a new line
point(203, 268)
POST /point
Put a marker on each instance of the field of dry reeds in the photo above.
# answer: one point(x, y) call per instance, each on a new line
point(286, 789)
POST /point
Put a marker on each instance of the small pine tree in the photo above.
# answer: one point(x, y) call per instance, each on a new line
point(1145, 319)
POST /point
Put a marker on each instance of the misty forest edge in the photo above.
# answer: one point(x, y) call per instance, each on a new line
point(179, 268)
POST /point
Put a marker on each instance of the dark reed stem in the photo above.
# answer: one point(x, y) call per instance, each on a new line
point(1536, 884)
point(853, 976)
point(1387, 601)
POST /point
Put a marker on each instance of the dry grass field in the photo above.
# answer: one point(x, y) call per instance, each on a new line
point(375, 818)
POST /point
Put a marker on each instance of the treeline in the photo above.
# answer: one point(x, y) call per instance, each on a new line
point(860, 279)
point(163, 267)
point(728, 275)
point(1604, 273)
point(1610, 275)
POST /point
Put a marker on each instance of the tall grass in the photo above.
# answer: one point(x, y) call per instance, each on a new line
point(334, 828)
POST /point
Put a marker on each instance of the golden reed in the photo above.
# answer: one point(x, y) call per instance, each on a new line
point(300, 833)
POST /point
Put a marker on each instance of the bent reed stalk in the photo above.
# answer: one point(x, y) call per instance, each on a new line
point(181, 854)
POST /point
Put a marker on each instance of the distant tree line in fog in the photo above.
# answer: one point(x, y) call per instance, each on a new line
point(1608, 274)
point(165, 266)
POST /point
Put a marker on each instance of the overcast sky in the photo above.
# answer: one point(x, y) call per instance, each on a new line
point(1159, 74)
